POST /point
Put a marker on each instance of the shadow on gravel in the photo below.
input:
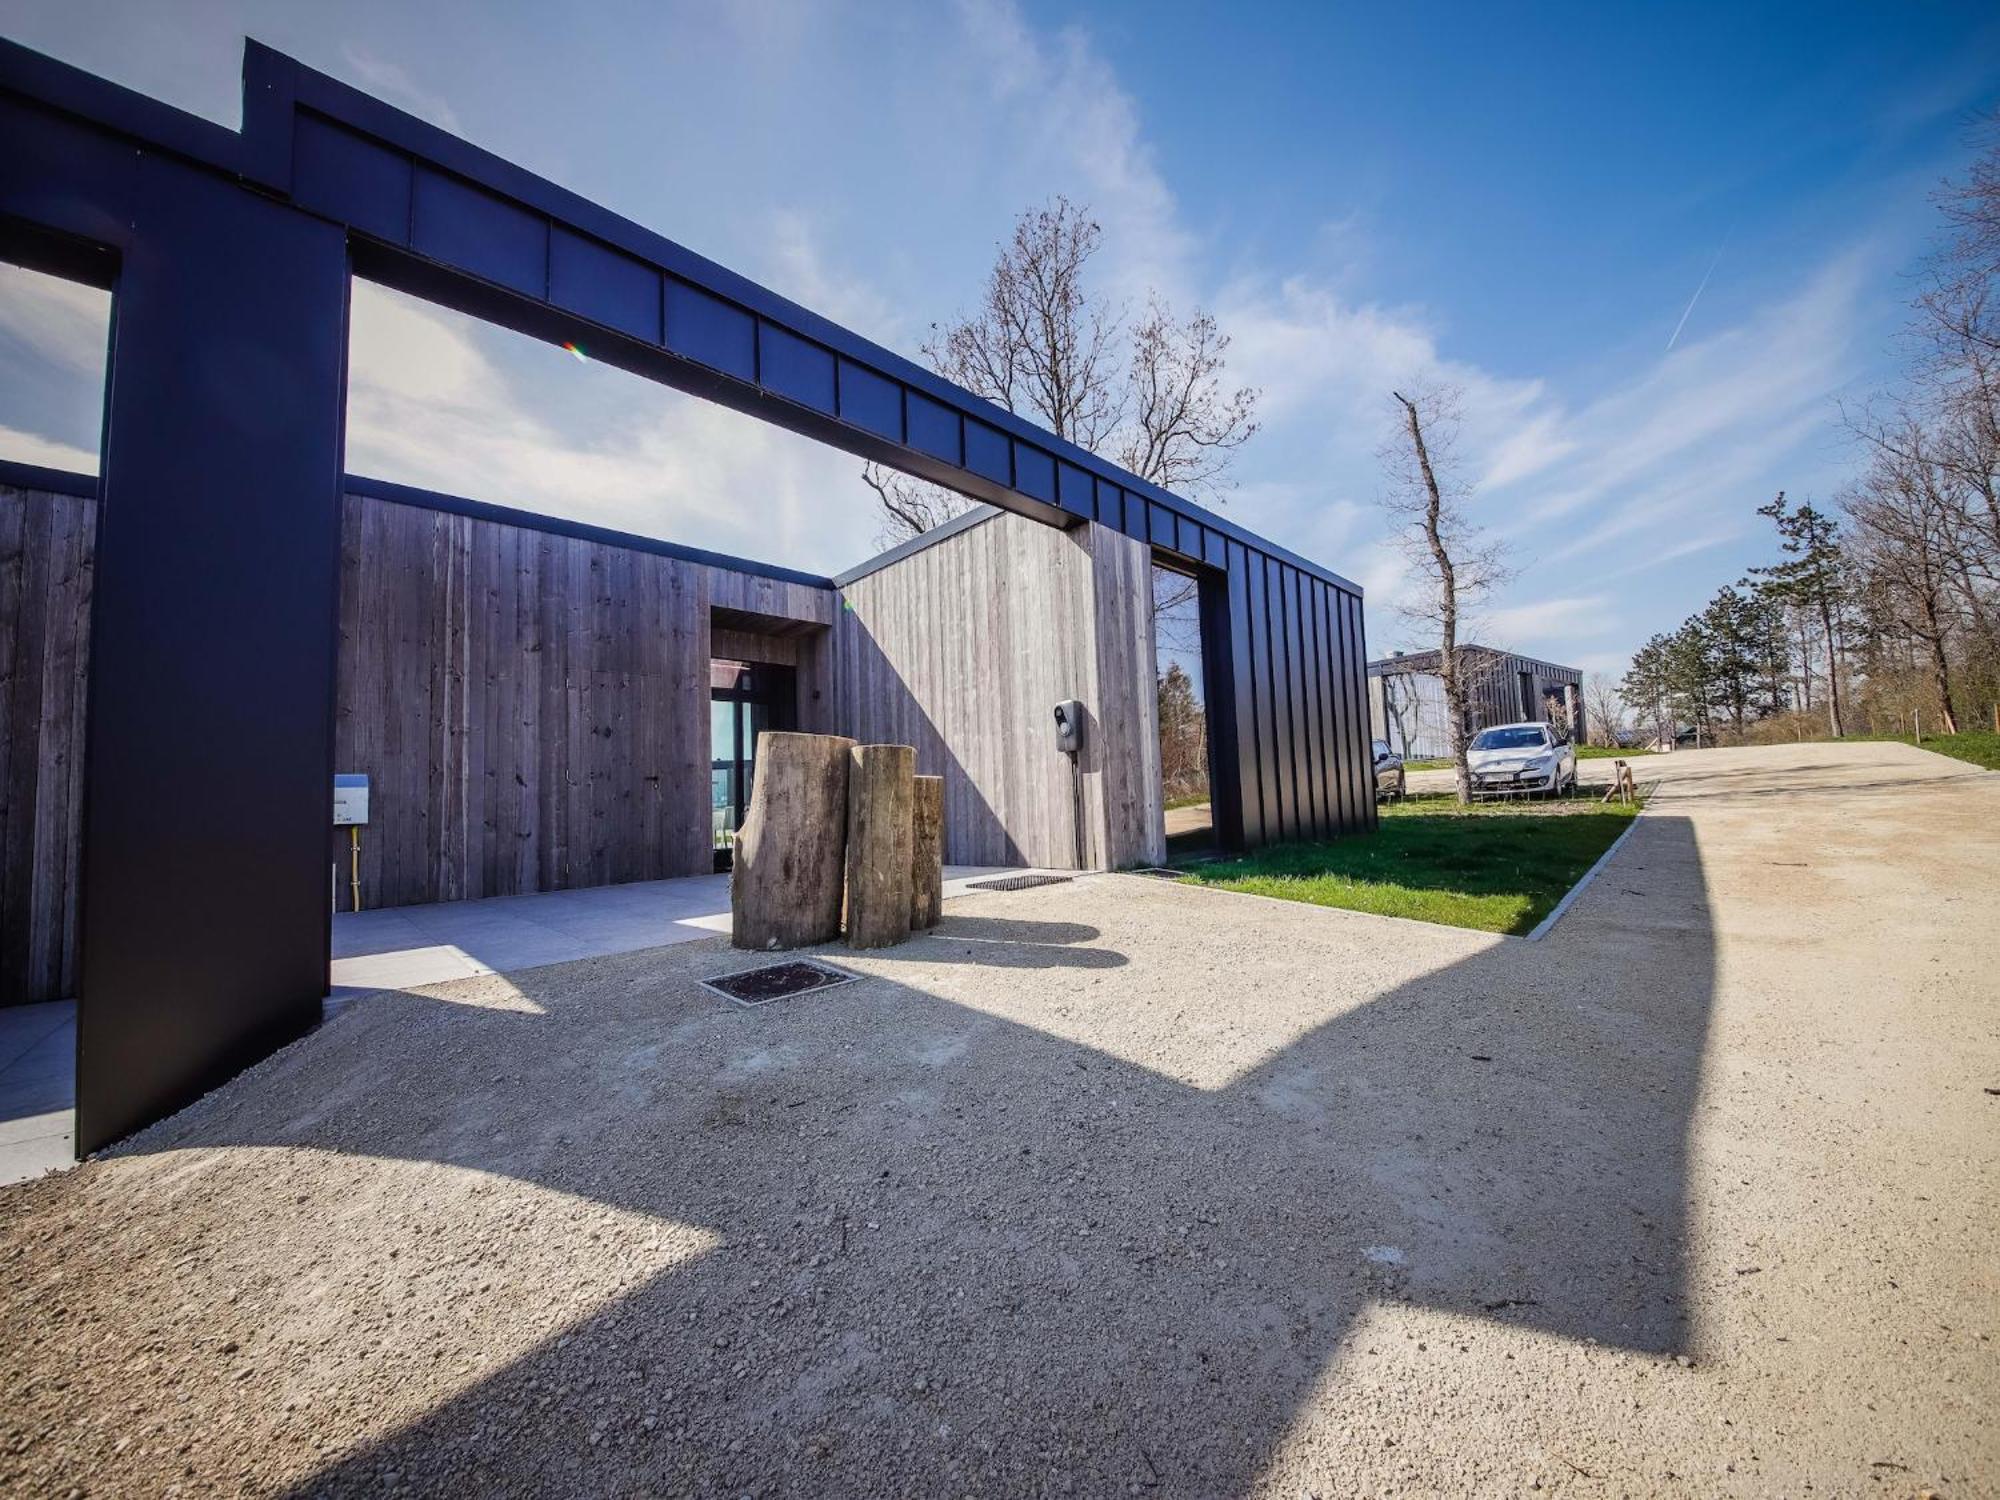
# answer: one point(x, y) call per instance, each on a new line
point(1008, 943)
point(1032, 1266)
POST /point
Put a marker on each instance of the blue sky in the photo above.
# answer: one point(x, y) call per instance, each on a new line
point(1520, 200)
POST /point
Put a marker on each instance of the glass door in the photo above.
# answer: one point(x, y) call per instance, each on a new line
point(744, 700)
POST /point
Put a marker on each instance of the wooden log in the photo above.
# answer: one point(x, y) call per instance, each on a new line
point(791, 855)
point(927, 854)
point(881, 797)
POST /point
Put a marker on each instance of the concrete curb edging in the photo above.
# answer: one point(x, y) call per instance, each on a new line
point(1645, 806)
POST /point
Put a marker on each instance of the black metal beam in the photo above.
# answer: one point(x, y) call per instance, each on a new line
point(448, 221)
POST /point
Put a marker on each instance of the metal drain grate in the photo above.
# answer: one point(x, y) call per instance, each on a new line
point(753, 987)
point(1017, 882)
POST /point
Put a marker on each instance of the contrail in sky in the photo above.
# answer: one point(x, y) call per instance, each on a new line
point(1697, 293)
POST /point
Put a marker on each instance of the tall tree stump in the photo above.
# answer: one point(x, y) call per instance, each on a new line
point(881, 796)
point(927, 854)
point(790, 857)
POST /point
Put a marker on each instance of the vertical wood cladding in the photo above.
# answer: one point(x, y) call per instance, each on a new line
point(1123, 775)
point(963, 649)
point(48, 546)
point(531, 708)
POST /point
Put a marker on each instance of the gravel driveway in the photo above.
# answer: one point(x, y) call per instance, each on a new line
point(1113, 1187)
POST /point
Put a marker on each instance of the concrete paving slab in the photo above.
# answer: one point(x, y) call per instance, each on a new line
point(37, 1089)
point(24, 1160)
point(23, 1027)
point(408, 946)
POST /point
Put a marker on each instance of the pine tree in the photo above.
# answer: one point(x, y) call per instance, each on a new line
point(1812, 577)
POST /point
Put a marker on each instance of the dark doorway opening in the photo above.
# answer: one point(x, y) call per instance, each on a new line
point(745, 699)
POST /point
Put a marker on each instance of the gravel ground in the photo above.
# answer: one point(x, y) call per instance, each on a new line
point(1114, 1187)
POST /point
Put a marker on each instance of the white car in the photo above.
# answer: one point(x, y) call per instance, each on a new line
point(1521, 759)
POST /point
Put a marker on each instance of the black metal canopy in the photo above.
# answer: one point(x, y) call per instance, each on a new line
point(430, 214)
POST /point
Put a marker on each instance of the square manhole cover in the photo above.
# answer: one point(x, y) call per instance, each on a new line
point(1017, 882)
point(785, 981)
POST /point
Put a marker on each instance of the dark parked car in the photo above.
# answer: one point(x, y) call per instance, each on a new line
point(1389, 778)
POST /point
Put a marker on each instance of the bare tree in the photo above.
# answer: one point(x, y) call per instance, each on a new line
point(1603, 709)
point(1427, 505)
point(1184, 426)
point(1042, 344)
point(1908, 529)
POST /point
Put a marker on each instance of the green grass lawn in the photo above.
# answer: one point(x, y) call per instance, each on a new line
point(1495, 867)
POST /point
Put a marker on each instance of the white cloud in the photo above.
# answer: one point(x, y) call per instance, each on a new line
point(31, 448)
point(428, 406)
point(63, 323)
point(1060, 105)
point(1542, 619)
point(1609, 663)
point(799, 270)
point(391, 82)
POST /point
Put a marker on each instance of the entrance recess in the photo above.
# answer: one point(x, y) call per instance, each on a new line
point(744, 700)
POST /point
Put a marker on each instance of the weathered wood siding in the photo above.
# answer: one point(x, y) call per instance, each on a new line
point(47, 545)
point(964, 648)
point(531, 708)
point(1124, 785)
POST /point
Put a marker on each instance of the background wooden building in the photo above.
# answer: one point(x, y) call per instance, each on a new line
point(1406, 697)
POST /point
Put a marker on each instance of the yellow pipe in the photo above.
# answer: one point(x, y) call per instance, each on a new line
point(354, 830)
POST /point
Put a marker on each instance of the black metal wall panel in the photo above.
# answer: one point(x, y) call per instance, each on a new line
point(1305, 746)
point(1354, 657)
point(1268, 762)
point(1360, 776)
point(1339, 721)
point(1243, 682)
point(1297, 783)
point(1294, 752)
point(1326, 817)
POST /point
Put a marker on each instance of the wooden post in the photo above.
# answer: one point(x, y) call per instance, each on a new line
point(1623, 787)
point(927, 854)
point(790, 857)
point(881, 797)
